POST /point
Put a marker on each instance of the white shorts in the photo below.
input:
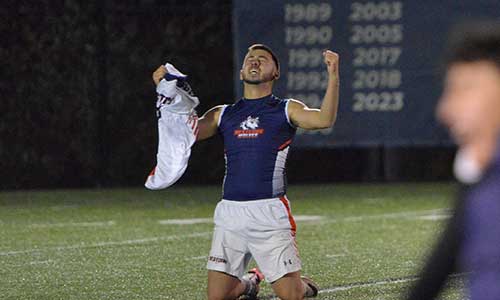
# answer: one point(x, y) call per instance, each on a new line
point(262, 229)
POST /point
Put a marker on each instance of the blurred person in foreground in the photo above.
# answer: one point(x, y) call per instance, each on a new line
point(253, 219)
point(470, 108)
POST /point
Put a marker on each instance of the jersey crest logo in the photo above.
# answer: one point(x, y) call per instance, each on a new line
point(249, 129)
point(250, 123)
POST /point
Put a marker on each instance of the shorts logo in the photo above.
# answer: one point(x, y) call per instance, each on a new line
point(217, 259)
point(249, 129)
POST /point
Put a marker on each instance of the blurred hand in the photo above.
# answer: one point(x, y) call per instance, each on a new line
point(159, 74)
point(332, 63)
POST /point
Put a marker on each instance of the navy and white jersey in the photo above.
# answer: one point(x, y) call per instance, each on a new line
point(257, 134)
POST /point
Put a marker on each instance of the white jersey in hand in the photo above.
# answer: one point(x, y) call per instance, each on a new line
point(177, 129)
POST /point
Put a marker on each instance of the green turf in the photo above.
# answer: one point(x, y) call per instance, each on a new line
point(108, 244)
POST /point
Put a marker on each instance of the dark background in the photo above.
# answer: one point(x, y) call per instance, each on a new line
point(77, 101)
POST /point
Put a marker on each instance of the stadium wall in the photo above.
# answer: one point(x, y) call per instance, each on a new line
point(78, 102)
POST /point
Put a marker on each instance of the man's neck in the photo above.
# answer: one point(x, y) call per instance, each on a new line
point(256, 91)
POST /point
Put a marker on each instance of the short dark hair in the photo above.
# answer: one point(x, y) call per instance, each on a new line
point(267, 49)
point(474, 41)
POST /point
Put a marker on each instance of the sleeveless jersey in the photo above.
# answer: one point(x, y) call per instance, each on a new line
point(257, 134)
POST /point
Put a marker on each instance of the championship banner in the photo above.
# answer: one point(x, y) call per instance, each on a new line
point(390, 54)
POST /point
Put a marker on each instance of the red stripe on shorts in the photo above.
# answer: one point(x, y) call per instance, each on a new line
point(285, 202)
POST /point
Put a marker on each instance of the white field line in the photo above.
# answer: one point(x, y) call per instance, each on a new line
point(362, 285)
point(419, 214)
point(74, 224)
point(433, 217)
point(36, 262)
point(335, 255)
point(109, 244)
point(301, 218)
point(203, 257)
point(377, 283)
point(366, 284)
point(185, 221)
point(41, 262)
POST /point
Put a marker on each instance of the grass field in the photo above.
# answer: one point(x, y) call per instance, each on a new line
point(357, 241)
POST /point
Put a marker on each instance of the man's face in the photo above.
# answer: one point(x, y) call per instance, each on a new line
point(470, 103)
point(258, 67)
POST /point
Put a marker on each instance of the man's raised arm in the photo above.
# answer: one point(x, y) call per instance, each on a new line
point(312, 118)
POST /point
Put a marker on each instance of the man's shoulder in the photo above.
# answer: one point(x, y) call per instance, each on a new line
point(216, 109)
point(231, 106)
point(294, 104)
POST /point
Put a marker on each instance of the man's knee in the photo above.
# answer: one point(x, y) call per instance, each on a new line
point(289, 287)
point(222, 286)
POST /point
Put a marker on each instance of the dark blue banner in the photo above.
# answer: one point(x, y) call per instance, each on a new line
point(390, 55)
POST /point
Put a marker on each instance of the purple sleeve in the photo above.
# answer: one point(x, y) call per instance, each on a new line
point(481, 249)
